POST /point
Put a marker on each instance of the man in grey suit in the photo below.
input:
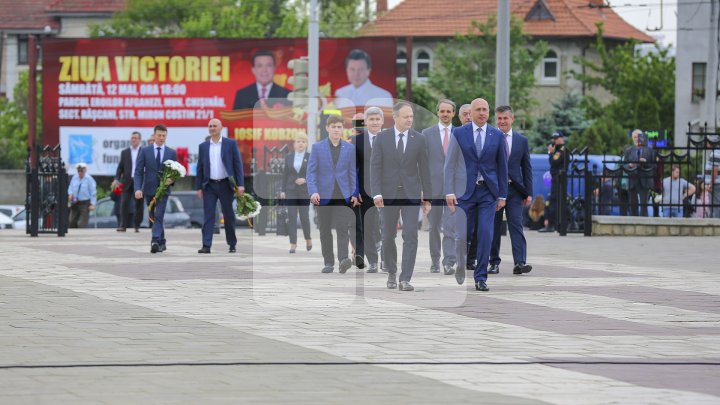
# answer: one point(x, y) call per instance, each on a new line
point(640, 164)
point(437, 139)
point(400, 182)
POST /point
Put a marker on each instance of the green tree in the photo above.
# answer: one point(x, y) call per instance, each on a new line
point(642, 83)
point(14, 125)
point(567, 116)
point(603, 136)
point(422, 97)
point(472, 58)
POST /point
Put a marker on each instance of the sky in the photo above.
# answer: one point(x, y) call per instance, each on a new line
point(643, 14)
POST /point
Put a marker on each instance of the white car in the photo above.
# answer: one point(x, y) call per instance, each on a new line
point(11, 210)
point(5, 221)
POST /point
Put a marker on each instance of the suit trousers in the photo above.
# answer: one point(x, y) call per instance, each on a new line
point(513, 211)
point(367, 230)
point(336, 214)
point(297, 207)
point(158, 217)
point(442, 233)
point(479, 214)
point(639, 198)
point(128, 197)
point(79, 214)
point(212, 192)
point(392, 211)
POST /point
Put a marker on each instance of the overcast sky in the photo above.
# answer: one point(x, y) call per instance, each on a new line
point(643, 14)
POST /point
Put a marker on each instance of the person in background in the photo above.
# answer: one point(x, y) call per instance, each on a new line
point(295, 192)
point(82, 194)
point(702, 198)
point(675, 189)
point(464, 114)
point(124, 176)
point(639, 161)
point(534, 214)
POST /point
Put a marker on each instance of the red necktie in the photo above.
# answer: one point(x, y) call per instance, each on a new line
point(445, 141)
point(263, 93)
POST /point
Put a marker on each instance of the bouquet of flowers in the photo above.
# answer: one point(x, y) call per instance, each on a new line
point(171, 171)
point(247, 207)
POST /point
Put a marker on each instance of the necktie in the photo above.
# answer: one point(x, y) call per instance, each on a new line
point(263, 93)
point(77, 196)
point(372, 142)
point(478, 142)
point(507, 147)
point(157, 157)
point(446, 140)
point(401, 146)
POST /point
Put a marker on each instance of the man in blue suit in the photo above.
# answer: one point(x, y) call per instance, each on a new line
point(219, 170)
point(148, 168)
point(332, 185)
point(476, 180)
point(519, 194)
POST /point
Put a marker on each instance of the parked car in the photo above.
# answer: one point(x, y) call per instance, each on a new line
point(5, 221)
point(11, 210)
point(175, 215)
point(194, 207)
point(19, 220)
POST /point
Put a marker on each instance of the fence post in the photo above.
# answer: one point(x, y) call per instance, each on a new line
point(589, 177)
point(562, 199)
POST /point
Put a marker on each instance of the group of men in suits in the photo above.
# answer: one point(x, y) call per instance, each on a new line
point(479, 168)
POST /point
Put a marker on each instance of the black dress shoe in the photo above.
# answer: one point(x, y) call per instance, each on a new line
point(481, 286)
point(405, 286)
point(448, 269)
point(204, 249)
point(460, 275)
point(359, 262)
point(232, 249)
point(373, 268)
point(435, 268)
point(163, 247)
point(522, 268)
point(548, 229)
point(154, 248)
point(137, 230)
point(327, 269)
point(470, 266)
point(494, 269)
point(121, 229)
point(391, 282)
point(345, 264)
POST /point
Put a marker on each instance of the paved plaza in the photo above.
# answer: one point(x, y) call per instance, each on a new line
point(95, 318)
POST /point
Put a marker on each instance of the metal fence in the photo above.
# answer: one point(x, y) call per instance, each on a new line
point(46, 192)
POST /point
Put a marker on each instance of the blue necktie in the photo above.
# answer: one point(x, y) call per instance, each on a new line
point(157, 157)
point(478, 142)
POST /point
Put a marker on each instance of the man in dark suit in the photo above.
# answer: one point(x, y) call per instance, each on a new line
point(476, 180)
point(639, 162)
point(519, 194)
point(332, 185)
point(219, 171)
point(367, 223)
point(264, 90)
point(148, 168)
point(400, 178)
point(124, 174)
point(437, 139)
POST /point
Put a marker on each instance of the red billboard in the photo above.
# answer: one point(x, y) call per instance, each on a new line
point(97, 91)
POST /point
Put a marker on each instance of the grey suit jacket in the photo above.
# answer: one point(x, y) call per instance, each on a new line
point(436, 159)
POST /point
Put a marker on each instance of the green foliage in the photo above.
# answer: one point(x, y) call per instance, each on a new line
point(567, 116)
point(603, 136)
point(472, 58)
point(229, 19)
point(14, 125)
point(643, 84)
point(423, 98)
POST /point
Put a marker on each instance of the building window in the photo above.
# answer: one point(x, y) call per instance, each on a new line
point(539, 12)
point(401, 63)
point(550, 67)
point(22, 55)
point(698, 81)
point(423, 65)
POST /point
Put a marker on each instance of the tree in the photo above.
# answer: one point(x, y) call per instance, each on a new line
point(567, 116)
point(643, 84)
point(472, 58)
point(603, 136)
point(14, 125)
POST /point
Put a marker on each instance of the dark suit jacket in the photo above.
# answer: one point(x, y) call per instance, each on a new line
point(462, 163)
point(147, 172)
point(388, 170)
point(290, 175)
point(322, 175)
point(436, 158)
point(248, 96)
point(363, 155)
point(230, 155)
point(124, 173)
point(519, 167)
point(642, 174)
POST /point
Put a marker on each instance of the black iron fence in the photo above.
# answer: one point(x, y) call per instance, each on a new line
point(46, 198)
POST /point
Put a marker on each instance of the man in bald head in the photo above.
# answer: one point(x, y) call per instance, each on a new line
point(219, 177)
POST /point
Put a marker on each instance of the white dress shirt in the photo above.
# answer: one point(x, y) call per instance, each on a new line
point(351, 96)
point(297, 163)
point(217, 168)
point(371, 139)
point(483, 134)
point(509, 139)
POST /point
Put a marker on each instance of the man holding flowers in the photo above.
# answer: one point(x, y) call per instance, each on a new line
point(153, 181)
point(219, 177)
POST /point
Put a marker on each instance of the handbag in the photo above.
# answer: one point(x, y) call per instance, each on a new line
point(282, 221)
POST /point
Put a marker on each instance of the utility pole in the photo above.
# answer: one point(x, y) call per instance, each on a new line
point(711, 72)
point(502, 64)
point(313, 72)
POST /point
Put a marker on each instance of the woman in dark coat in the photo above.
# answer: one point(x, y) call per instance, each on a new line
point(295, 192)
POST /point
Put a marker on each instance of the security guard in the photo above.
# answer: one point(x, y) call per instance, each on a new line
point(557, 154)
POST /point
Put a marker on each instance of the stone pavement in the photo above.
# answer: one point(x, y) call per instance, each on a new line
point(95, 318)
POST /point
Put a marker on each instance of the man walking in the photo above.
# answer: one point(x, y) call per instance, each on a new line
point(82, 194)
point(437, 139)
point(124, 175)
point(219, 171)
point(148, 169)
point(519, 194)
point(640, 163)
point(476, 180)
point(400, 179)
